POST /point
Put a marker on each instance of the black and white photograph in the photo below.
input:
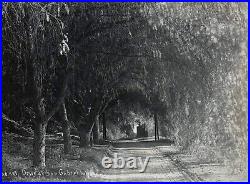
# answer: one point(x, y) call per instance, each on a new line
point(124, 91)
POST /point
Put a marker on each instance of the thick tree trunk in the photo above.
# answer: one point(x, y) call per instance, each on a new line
point(66, 138)
point(39, 144)
point(40, 125)
point(66, 130)
point(96, 130)
point(104, 127)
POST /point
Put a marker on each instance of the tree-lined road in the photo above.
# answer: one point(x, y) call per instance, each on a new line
point(93, 72)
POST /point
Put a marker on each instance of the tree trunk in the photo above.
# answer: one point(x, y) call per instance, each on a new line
point(96, 130)
point(156, 127)
point(40, 126)
point(158, 136)
point(104, 127)
point(66, 138)
point(39, 144)
point(66, 130)
point(84, 136)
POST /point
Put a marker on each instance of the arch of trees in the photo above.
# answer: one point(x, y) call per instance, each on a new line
point(75, 59)
point(133, 99)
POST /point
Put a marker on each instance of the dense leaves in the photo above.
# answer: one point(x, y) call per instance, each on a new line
point(183, 61)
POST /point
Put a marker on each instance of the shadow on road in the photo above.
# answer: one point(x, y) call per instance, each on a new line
point(141, 143)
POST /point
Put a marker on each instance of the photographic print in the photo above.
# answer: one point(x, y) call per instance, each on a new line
point(101, 91)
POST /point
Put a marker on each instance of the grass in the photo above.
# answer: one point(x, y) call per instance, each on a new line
point(76, 166)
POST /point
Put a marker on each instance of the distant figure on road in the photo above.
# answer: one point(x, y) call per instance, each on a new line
point(141, 130)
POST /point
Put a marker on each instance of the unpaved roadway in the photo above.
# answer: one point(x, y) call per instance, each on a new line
point(162, 165)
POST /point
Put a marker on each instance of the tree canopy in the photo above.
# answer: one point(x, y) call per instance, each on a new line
point(184, 61)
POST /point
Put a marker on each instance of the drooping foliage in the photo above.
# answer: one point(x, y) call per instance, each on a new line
point(185, 61)
point(207, 78)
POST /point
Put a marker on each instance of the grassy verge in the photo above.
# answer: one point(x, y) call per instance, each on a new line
point(76, 166)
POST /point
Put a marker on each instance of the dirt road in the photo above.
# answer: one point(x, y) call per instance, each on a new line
point(162, 165)
point(159, 167)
